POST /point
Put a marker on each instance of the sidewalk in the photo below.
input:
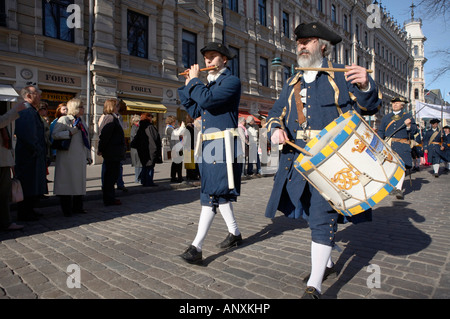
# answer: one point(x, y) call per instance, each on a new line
point(161, 178)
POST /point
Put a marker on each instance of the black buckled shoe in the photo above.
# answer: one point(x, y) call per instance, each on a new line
point(230, 241)
point(192, 256)
point(311, 293)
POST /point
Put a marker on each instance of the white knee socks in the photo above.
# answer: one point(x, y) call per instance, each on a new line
point(320, 259)
point(436, 168)
point(228, 216)
point(206, 218)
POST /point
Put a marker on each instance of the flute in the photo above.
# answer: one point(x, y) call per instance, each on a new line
point(204, 69)
point(328, 69)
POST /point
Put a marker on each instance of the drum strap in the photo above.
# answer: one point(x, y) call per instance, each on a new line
point(389, 125)
point(335, 88)
point(433, 137)
point(299, 103)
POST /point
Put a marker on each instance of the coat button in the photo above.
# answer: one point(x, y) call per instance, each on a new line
point(286, 168)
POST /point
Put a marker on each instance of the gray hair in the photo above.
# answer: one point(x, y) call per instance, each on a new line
point(328, 47)
point(241, 120)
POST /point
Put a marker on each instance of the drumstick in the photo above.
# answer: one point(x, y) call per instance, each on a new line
point(204, 69)
point(301, 149)
point(328, 69)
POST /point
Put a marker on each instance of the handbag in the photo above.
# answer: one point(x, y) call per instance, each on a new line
point(16, 191)
point(62, 145)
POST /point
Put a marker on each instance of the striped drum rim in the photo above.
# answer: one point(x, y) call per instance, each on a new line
point(334, 144)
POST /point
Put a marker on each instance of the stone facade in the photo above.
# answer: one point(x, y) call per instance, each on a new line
point(258, 31)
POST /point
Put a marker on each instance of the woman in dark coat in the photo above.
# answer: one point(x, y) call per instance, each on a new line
point(111, 147)
point(147, 142)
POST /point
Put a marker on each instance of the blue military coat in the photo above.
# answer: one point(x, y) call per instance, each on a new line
point(217, 103)
point(327, 97)
point(446, 144)
point(435, 155)
point(389, 124)
point(31, 153)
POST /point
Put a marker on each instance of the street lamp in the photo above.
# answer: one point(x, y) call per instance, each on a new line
point(277, 64)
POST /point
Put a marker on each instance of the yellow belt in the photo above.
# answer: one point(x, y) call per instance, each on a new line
point(308, 135)
point(217, 135)
point(435, 143)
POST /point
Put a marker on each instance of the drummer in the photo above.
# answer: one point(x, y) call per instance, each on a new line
point(308, 102)
point(399, 127)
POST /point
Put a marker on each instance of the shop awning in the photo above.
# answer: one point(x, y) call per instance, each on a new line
point(7, 93)
point(247, 114)
point(145, 106)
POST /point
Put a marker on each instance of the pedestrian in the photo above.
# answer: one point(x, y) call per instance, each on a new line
point(147, 143)
point(177, 166)
point(135, 162)
point(120, 183)
point(446, 147)
point(217, 103)
point(70, 164)
point(432, 143)
point(398, 128)
point(111, 147)
point(6, 165)
point(30, 154)
point(253, 156)
point(308, 102)
point(243, 141)
point(192, 172)
point(60, 111)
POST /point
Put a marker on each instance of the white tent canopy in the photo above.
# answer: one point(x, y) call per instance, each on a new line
point(7, 93)
point(425, 110)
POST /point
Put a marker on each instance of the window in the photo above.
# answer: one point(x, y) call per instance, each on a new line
point(54, 20)
point(416, 94)
point(233, 5)
point(234, 63)
point(357, 32)
point(345, 23)
point(264, 71)
point(333, 13)
point(262, 12)
point(416, 50)
point(286, 24)
point(3, 15)
point(137, 34)
point(416, 73)
point(320, 5)
point(189, 48)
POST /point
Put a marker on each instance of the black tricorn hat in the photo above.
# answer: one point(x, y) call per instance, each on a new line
point(435, 121)
point(316, 30)
point(218, 47)
point(399, 99)
point(448, 127)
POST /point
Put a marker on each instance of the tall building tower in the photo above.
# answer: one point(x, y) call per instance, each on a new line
point(413, 28)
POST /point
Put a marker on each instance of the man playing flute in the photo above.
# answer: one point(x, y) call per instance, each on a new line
point(308, 102)
point(217, 103)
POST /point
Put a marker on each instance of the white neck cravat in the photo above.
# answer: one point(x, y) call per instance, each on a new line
point(213, 76)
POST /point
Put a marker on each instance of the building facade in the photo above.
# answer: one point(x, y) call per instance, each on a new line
point(134, 50)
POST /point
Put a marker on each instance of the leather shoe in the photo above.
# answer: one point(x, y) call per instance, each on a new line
point(192, 256)
point(311, 293)
point(14, 226)
point(230, 241)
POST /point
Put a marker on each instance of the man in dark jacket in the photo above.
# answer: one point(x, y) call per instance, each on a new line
point(217, 103)
point(400, 127)
point(31, 154)
point(308, 102)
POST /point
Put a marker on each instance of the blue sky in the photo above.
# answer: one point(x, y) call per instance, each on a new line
point(435, 29)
